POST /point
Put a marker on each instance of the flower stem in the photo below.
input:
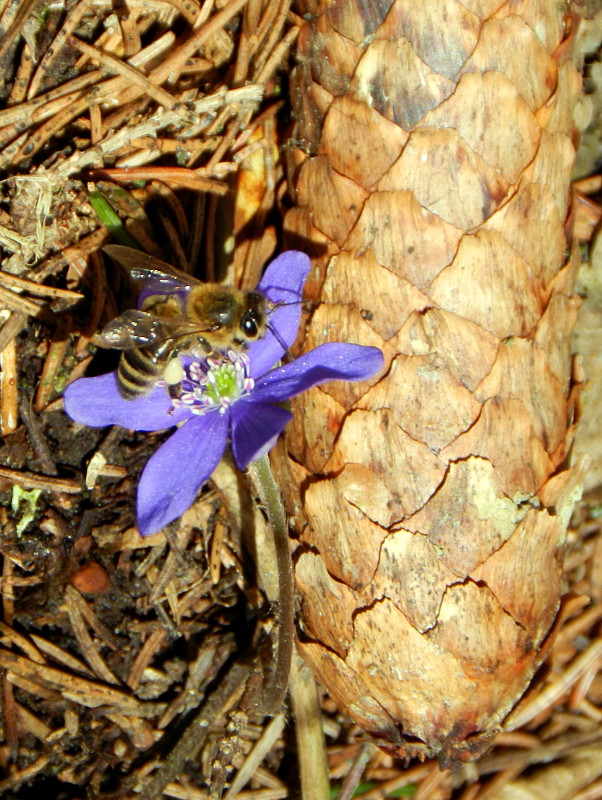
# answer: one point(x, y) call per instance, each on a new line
point(275, 686)
point(309, 731)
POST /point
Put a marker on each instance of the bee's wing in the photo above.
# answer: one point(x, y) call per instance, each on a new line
point(157, 276)
point(134, 329)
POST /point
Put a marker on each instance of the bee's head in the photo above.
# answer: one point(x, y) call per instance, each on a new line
point(253, 321)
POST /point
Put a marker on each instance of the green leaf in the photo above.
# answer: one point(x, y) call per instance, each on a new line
point(110, 219)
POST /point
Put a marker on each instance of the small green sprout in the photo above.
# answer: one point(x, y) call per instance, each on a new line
point(24, 503)
point(596, 511)
point(110, 219)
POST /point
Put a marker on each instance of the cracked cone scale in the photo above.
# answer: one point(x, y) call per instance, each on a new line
point(431, 176)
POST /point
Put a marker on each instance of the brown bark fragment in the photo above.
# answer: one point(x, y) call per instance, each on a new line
point(503, 298)
point(434, 199)
point(347, 147)
point(313, 105)
point(532, 12)
point(404, 236)
point(442, 36)
point(531, 224)
point(350, 551)
point(328, 604)
point(562, 311)
point(416, 668)
point(522, 372)
point(403, 456)
point(534, 73)
point(369, 713)
point(301, 230)
point(565, 278)
point(521, 462)
point(467, 349)
point(468, 500)
point(557, 114)
point(411, 575)
point(425, 399)
point(436, 157)
point(329, 192)
point(376, 83)
point(314, 433)
point(350, 19)
point(350, 274)
point(460, 630)
point(554, 159)
point(483, 8)
point(336, 56)
point(508, 146)
point(563, 489)
point(525, 574)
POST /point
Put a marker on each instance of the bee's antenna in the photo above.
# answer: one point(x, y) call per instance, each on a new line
point(275, 307)
point(282, 344)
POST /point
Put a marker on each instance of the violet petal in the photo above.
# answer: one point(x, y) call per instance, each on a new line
point(96, 402)
point(285, 276)
point(282, 282)
point(328, 362)
point(255, 428)
point(175, 473)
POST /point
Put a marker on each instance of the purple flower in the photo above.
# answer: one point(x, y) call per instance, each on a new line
point(233, 398)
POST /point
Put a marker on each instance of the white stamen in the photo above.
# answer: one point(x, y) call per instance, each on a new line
point(212, 383)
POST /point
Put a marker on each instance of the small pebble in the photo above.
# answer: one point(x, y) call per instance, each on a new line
point(90, 578)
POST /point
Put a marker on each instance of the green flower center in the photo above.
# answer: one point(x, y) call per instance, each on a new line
point(214, 383)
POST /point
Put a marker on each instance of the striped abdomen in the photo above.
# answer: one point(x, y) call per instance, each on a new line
point(140, 367)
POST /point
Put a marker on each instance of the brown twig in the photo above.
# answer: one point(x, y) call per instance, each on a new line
point(356, 772)
point(89, 650)
point(11, 328)
point(24, 115)
point(23, 775)
point(147, 652)
point(30, 480)
point(311, 744)
point(85, 692)
point(178, 176)
point(8, 596)
point(19, 640)
point(69, 24)
point(52, 364)
point(246, 96)
point(37, 438)
point(135, 77)
point(65, 295)
point(195, 735)
point(9, 389)
point(12, 22)
point(22, 78)
point(32, 308)
point(553, 692)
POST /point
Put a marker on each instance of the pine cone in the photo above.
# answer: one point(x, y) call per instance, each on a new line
point(432, 164)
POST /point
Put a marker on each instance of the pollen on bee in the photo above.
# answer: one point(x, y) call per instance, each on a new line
point(174, 372)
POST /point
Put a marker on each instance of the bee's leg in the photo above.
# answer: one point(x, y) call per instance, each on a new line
point(205, 346)
point(173, 374)
point(174, 390)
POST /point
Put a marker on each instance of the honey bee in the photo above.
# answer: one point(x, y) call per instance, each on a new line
point(179, 314)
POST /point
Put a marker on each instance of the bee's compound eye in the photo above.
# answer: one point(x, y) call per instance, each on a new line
point(249, 327)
